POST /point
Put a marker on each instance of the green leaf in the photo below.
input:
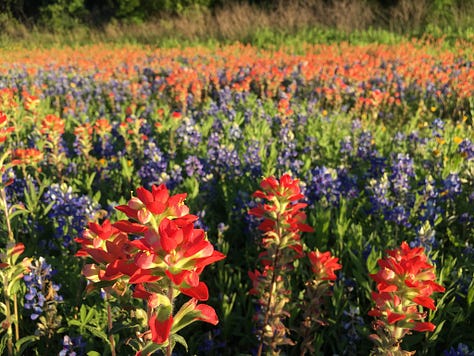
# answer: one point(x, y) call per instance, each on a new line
point(89, 316)
point(93, 353)
point(18, 212)
point(24, 342)
point(180, 340)
point(151, 348)
point(438, 329)
point(372, 259)
point(470, 294)
point(3, 343)
point(3, 308)
point(97, 196)
point(98, 333)
point(83, 313)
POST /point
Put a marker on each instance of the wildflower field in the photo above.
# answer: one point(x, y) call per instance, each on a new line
point(237, 201)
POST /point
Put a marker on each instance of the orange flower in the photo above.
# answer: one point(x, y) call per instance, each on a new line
point(27, 156)
point(4, 129)
point(52, 125)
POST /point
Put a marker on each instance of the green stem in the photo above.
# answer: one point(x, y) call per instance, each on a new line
point(110, 325)
point(7, 214)
point(169, 348)
point(15, 311)
point(8, 317)
point(272, 286)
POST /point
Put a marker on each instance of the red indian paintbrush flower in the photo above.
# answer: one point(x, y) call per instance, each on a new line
point(282, 224)
point(323, 265)
point(405, 282)
point(318, 288)
point(52, 126)
point(280, 205)
point(4, 129)
point(165, 258)
point(26, 156)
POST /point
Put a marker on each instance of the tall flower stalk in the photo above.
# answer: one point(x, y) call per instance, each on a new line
point(405, 283)
point(283, 222)
point(317, 290)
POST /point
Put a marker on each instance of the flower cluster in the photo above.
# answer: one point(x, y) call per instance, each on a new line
point(158, 251)
point(405, 283)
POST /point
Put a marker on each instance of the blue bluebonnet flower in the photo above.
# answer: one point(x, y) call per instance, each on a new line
point(154, 164)
point(252, 160)
point(377, 166)
point(222, 159)
point(399, 138)
point(451, 186)
point(398, 214)
point(187, 134)
point(323, 183)
point(288, 156)
point(429, 205)
point(346, 146)
point(351, 322)
point(69, 212)
point(402, 171)
point(103, 147)
point(425, 238)
point(356, 124)
point(383, 201)
point(193, 166)
point(72, 346)
point(437, 127)
point(378, 191)
point(461, 350)
point(41, 290)
point(415, 139)
point(466, 148)
point(16, 190)
point(242, 204)
point(222, 227)
point(347, 183)
point(367, 152)
point(235, 133)
point(175, 177)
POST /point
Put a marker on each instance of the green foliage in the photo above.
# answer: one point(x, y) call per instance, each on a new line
point(61, 15)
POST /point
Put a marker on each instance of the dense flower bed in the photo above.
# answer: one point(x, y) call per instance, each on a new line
point(377, 140)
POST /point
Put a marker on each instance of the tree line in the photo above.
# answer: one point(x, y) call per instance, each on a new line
point(58, 13)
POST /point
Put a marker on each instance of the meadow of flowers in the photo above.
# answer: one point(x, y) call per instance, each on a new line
point(235, 200)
